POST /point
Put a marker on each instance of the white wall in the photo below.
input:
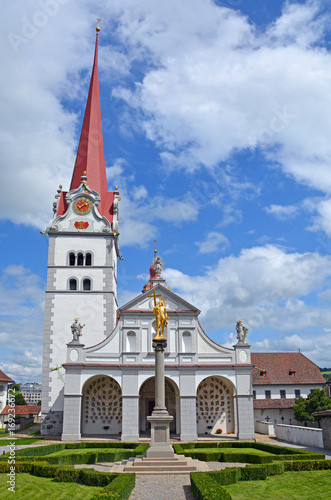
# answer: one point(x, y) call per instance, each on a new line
point(305, 436)
point(290, 390)
point(267, 428)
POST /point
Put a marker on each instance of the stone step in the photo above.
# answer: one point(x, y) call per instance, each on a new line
point(156, 468)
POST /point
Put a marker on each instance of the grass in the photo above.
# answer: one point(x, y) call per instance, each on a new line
point(5, 442)
point(314, 485)
point(32, 487)
point(83, 451)
point(234, 451)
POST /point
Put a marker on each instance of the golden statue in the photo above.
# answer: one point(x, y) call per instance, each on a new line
point(161, 316)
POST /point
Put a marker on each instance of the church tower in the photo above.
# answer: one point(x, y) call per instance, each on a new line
point(82, 259)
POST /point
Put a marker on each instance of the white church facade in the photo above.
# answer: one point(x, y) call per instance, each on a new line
point(102, 382)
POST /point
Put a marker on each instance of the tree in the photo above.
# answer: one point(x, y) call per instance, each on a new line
point(19, 399)
point(316, 401)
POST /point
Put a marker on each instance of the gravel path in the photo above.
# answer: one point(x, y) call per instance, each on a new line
point(169, 486)
point(164, 487)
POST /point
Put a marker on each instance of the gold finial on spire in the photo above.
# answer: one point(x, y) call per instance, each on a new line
point(97, 29)
point(155, 250)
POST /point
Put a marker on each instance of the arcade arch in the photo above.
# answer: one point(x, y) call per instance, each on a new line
point(101, 406)
point(215, 406)
point(147, 403)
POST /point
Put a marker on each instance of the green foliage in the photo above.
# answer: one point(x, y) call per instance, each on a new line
point(307, 465)
point(43, 469)
point(316, 401)
point(204, 487)
point(19, 399)
point(229, 475)
point(274, 469)
point(253, 473)
point(66, 475)
point(91, 477)
point(40, 450)
point(119, 489)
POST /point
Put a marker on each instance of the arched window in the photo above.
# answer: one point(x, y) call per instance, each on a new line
point(131, 342)
point(80, 259)
point(88, 259)
point(73, 284)
point(187, 342)
point(72, 259)
point(87, 284)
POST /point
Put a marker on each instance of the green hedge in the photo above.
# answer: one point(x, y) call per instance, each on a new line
point(39, 451)
point(208, 485)
point(119, 489)
point(66, 475)
point(90, 477)
point(204, 487)
point(19, 467)
point(292, 465)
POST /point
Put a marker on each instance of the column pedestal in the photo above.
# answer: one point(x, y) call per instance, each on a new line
point(160, 419)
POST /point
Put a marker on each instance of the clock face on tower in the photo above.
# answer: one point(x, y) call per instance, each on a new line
point(82, 205)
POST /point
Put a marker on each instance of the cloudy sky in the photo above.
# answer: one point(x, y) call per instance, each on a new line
point(217, 129)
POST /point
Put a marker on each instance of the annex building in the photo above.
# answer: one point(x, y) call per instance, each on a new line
point(108, 385)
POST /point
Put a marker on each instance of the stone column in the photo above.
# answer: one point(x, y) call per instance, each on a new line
point(160, 419)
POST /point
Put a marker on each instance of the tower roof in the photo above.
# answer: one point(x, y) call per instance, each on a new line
point(90, 159)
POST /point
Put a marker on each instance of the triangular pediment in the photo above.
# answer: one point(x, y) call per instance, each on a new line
point(145, 301)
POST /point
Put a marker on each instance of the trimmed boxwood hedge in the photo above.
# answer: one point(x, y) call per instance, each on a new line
point(204, 487)
point(119, 489)
point(212, 452)
point(208, 485)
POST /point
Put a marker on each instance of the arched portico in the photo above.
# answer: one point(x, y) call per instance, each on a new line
point(147, 403)
point(215, 406)
point(101, 406)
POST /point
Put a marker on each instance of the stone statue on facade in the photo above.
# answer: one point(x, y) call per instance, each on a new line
point(76, 330)
point(241, 331)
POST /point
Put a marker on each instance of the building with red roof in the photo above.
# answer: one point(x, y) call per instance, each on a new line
point(278, 379)
point(4, 381)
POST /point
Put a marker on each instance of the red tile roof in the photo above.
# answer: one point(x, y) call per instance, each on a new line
point(22, 410)
point(278, 365)
point(324, 413)
point(4, 377)
point(265, 404)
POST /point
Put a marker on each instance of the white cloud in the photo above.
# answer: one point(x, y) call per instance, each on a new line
point(213, 242)
point(266, 286)
point(283, 212)
point(21, 327)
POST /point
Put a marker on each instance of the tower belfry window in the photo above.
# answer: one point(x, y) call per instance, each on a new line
point(80, 259)
point(72, 259)
point(72, 284)
point(86, 284)
point(88, 259)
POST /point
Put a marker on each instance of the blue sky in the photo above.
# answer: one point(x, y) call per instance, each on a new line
point(217, 129)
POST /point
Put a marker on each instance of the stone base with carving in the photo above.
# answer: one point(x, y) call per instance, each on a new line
point(160, 446)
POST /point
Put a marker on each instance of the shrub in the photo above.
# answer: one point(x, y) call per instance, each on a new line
point(230, 475)
point(275, 468)
point(119, 489)
point(204, 487)
point(253, 473)
point(43, 469)
point(39, 451)
point(307, 465)
point(66, 475)
point(91, 477)
point(19, 467)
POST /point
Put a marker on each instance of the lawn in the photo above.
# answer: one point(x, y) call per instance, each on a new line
point(234, 451)
point(83, 451)
point(315, 485)
point(32, 487)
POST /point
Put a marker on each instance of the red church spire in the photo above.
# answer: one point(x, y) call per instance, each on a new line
point(90, 160)
point(90, 154)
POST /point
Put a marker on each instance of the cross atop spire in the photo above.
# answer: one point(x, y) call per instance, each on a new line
point(90, 154)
